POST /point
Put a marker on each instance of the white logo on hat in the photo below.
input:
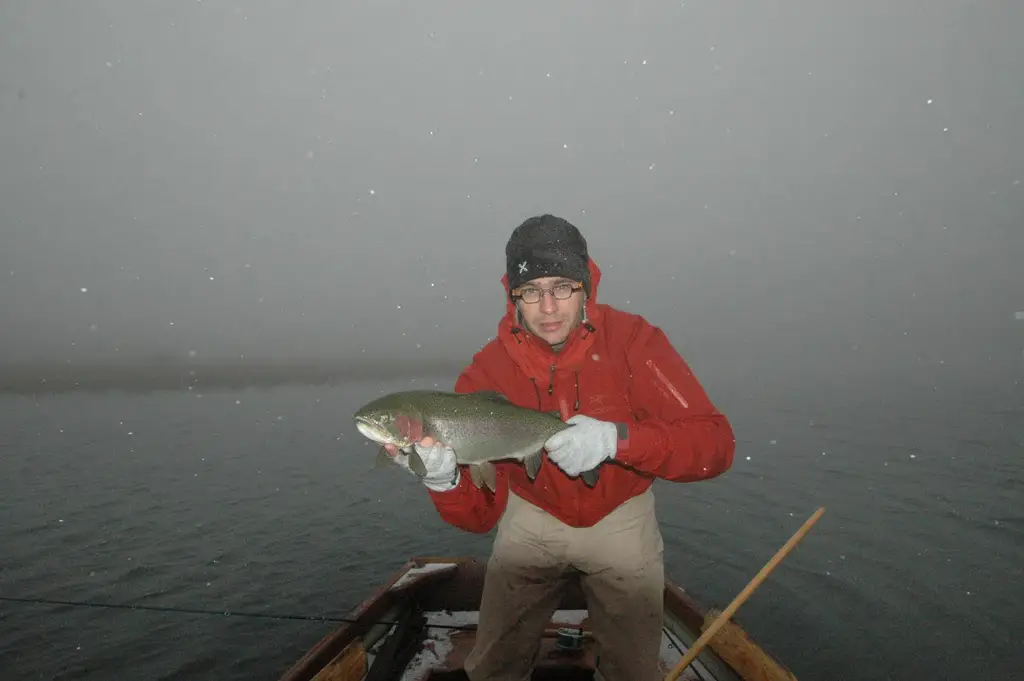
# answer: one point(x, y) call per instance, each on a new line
point(522, 267)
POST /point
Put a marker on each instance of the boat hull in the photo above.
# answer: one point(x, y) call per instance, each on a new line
point(419, 625)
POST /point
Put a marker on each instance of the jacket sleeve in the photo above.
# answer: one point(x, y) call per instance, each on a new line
point(466, 506)
point(679, 435)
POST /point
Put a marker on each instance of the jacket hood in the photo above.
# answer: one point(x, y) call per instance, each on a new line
point(595, 281)
point(531, 354)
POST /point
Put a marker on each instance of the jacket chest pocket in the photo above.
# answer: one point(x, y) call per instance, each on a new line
point(603, 393)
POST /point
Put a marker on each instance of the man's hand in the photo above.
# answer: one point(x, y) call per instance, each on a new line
point(442, 472)
point(584, 446)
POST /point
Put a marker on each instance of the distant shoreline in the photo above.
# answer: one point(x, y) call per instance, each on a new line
point(28, 380)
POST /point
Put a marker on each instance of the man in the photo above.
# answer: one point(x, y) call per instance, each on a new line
point(637, 412)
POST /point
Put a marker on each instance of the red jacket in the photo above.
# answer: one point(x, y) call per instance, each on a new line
point(616, 367)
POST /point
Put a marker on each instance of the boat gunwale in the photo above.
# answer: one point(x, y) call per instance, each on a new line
point(363, 616)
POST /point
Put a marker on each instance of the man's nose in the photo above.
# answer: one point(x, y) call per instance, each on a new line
point(548, 304)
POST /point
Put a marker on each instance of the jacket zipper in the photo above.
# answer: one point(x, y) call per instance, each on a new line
point(668, 384)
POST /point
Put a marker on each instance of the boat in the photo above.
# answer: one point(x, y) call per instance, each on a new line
point(419, 626)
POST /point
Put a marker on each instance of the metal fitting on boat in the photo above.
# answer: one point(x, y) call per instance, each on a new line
point(568, 638)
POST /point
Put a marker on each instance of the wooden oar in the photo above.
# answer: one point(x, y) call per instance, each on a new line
point(699, 644)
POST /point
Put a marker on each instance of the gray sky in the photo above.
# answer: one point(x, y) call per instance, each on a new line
point(791, 184)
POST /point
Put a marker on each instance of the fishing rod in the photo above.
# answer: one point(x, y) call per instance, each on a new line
point(223, 613)
point(263, 615)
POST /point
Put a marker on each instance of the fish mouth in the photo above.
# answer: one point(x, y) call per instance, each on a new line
point(374, 431)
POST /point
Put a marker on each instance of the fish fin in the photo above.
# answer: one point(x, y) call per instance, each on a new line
point(416, 464)
point(532, 463)
point(590, 477)
point(476, 476)
point(491, 395)
point(490, 475)
point(383, 458)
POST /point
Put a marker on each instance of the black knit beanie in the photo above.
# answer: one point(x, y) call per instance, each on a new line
point(546, 246)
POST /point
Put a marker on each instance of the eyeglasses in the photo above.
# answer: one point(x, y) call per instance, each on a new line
point(562, 291)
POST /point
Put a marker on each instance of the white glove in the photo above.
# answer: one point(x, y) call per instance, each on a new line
point(442, 472)
point(584, 446)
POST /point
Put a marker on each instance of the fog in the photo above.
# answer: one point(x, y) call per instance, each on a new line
point(782, 187)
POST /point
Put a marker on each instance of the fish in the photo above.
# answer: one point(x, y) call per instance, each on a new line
point(482, 427)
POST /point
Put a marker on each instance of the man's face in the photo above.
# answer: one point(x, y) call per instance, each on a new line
point(551, 318)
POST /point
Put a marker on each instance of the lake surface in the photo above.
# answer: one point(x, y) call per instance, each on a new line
point(266, 500)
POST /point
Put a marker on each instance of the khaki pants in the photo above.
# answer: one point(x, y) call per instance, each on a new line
point(621, 570)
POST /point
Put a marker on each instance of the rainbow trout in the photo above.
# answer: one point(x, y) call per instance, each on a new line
point(482, 427)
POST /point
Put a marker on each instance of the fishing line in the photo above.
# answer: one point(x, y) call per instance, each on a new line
point(224, 613)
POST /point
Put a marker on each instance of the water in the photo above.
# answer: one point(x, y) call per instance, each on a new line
point(267, 501)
